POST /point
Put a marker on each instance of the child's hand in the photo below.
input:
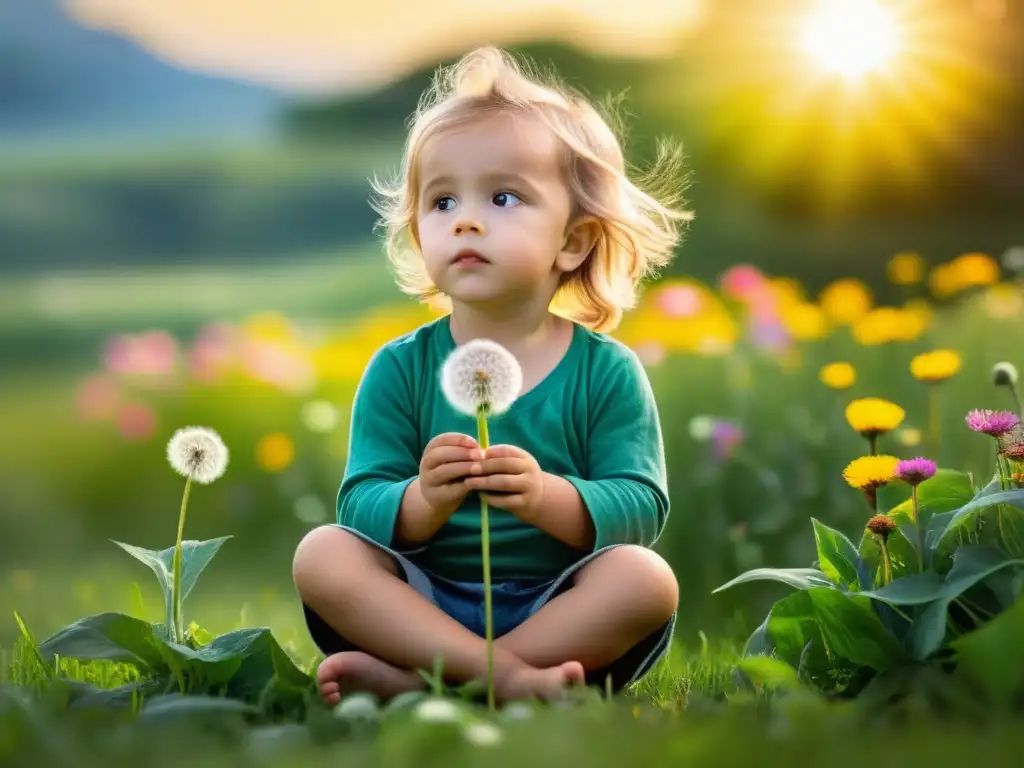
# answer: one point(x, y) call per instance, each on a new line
point(446, 461)
point(509, 478)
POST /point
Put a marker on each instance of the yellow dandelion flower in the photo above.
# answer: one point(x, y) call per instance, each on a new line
point(870, 472)
point(975, 269)
point(878, 326)
point(937, 365)
point(943, 281)
point(845, 301)
point(905, 268)
point(909, 437)
point(275, 452)
point(837, 375)
point(805, 321)
point(873, 416)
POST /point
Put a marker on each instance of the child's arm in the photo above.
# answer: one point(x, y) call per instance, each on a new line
point(382, 453)
point(624, 498)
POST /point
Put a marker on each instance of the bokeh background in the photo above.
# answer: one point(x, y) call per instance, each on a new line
point(186, 238)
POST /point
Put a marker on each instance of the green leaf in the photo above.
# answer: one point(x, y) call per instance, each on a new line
point(853, 631)
point(986, 498)
point(173, 705)
point(837, 557)
point(970, 566)
point(107, 636)
point(195, 556)
point(769, 672)
point(915, 589)
point(991, 655)
point(791, 626)
point(800, 578)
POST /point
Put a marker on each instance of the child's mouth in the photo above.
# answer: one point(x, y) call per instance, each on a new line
point(468, 258)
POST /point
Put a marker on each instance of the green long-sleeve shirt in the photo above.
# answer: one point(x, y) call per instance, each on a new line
point(592, 420)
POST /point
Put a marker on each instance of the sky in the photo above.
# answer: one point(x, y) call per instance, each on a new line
point(317, 47)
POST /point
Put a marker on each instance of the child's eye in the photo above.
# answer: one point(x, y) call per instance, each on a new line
point(506, 199)
point(444, 203)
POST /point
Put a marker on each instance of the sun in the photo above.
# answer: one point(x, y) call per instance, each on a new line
point(850, 38)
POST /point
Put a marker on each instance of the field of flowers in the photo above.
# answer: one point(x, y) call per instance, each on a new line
point(791, 423)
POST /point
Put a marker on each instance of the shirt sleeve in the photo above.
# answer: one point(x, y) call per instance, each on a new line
point(382, 459)
point(625, 489)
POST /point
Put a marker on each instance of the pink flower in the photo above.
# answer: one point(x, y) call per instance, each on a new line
point(726, 438)
point(135, 421)
point(679, 301)
point(742, 281)
point(994, 423)
point(153, 353)
point(96, 397)
point(915, 471)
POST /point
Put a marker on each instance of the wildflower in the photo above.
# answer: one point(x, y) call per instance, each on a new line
point(726, 437)
point(436, 710)
point(869, 473)
point(481, 376)
point(992, 423)
point(905, 268)
point(1013, 259)
point(1004, 374)
point(482, 734)
point(881, 525)
point(197, 453)
point(915, 471)
point(837, 375)
point(275, 452)
point(1011, 444)
point(935, 366)
point(845, 301)
point(973, 269)
point(1018, 479)
point(909, 437)
point(702, 428)
point(873, 416)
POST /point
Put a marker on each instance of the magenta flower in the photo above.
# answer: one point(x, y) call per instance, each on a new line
point(726, 438)
point(915, 471)
point(993, 423)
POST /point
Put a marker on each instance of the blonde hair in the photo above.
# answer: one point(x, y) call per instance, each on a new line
point(638, 231)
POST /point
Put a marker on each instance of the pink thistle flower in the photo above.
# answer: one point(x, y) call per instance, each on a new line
point(992, 423)
point(742, 281)
point(679, 301)
point(915, 471)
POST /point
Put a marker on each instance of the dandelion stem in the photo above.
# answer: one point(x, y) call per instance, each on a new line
point(873, 444)
point(919, 526)
point(934, 420)
point(178, 629)
point(886, 564)
point(483, 438)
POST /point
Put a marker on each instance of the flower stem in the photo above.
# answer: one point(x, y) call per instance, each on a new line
point(178, 629)
point(1016, 399)
point(934, 420)
point(886, 564)
point(919, 526)
point(483, 438)
point(873, 444)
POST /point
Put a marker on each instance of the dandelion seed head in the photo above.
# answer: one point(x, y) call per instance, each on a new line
point(481, 375)
point(1004, 374)
point(199, 453)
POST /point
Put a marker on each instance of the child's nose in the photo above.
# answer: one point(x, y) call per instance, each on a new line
point(465, 225)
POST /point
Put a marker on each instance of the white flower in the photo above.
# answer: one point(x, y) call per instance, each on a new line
point(319, 415)
point(701, 428)
point(1004, 374)
point(199, 453)
point(482, 734)
point(1013, 258)
point(481, 374)
point(435, 710)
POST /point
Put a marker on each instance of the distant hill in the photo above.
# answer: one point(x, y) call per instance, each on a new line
point(59, 80)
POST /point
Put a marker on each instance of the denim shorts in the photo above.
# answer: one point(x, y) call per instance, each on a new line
point(512, 603)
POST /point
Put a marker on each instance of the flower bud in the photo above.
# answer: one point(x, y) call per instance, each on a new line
point(1004, 374)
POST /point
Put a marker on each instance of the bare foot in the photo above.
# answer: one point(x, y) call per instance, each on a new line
point(544, 684)
point(345, 673)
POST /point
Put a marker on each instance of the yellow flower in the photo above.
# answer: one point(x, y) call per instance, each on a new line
point(870, 472)
point(878, 326)
point(838, 375)
point(906, 268)
point(873, 416)
point(805, 321)
point(943, 281)
point(275, 452)
point(938, 365)
point(845, 300)
point(909, 437)
point(975, 269)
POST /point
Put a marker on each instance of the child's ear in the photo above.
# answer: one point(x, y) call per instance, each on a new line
point(580, 238)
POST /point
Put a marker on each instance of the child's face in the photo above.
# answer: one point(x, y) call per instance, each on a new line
point(493, 188)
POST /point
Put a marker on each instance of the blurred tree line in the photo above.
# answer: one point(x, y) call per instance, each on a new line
point(716, 97)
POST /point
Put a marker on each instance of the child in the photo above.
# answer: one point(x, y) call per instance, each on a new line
point(514, 212)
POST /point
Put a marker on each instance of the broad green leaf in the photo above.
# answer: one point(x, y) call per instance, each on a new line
point(837, 557)
point(195, 556)
point(991, 655)
point(173, 705)
point(759, 643)
point(984, 499)
point(791, 626)
point(915, 589)
point(853, 631)
point(107, 636)
point(970, 566)
point(800, 578)
point(769, 672)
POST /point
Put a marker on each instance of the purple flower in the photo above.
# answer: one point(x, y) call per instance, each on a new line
point(994, 423)
point(915, 471)
point(726, 437)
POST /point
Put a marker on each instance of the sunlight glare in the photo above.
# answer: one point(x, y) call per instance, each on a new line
point(850, 37)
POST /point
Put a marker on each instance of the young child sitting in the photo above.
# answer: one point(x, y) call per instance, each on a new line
point(514, 212)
